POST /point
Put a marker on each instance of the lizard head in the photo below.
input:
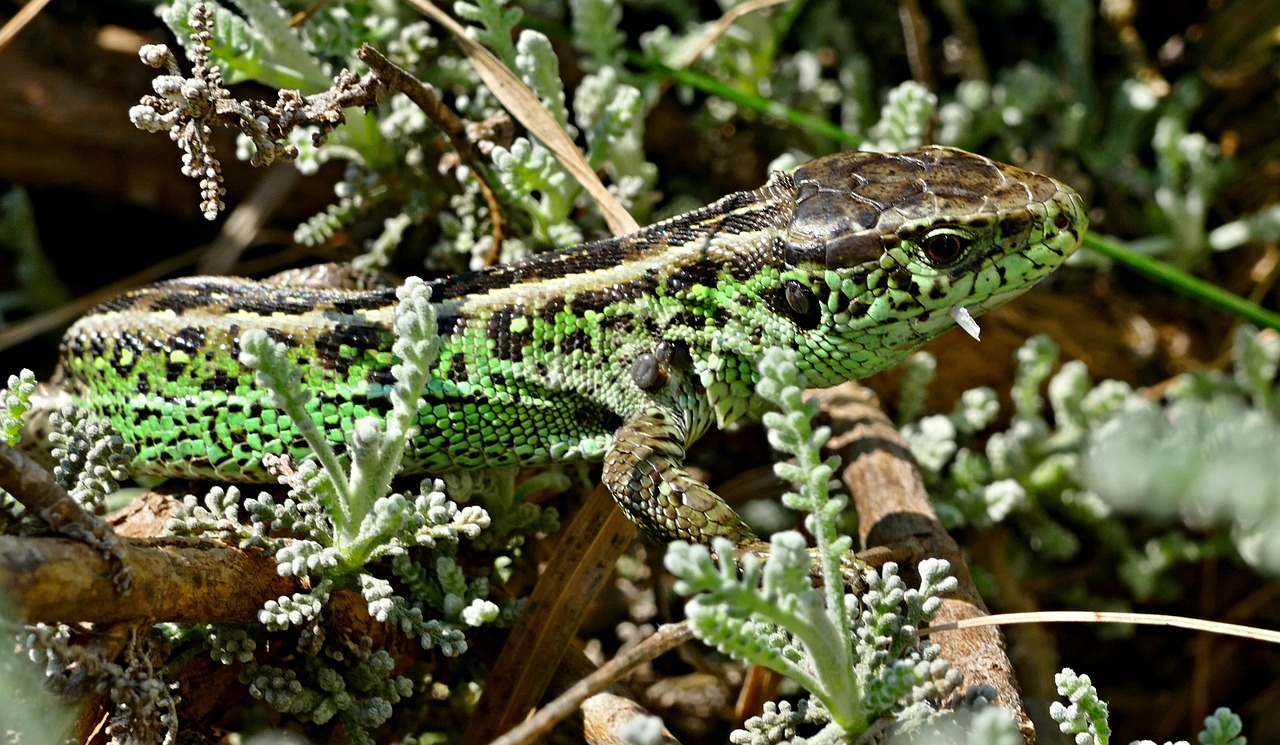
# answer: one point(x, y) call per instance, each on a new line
point(886, 251)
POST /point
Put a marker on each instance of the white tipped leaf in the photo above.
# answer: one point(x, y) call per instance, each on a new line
point(966, 322)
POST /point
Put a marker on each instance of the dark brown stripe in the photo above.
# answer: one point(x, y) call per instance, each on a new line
point(702, 223)
point(350, 303)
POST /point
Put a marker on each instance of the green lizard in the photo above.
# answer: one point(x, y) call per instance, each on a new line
point(624, 350)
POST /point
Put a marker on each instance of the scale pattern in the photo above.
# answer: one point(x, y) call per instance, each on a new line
point(624, 350)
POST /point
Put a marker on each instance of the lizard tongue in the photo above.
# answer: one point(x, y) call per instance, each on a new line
point(965, 321)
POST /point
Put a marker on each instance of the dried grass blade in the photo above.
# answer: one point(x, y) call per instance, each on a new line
point(530, 112)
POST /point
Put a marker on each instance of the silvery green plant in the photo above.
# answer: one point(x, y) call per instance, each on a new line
point(349, 683)
point(15, 402)
point(904, 118)
point(749, 58)
point(89, 461)
point(1085, 716)
point(339, 520)
point(607, 110)
point(1204, 454)
point(394, 145)
point(143, 704)
point(341, 514)
point(1075, 453)
point(1025, 475)
point(857, 655)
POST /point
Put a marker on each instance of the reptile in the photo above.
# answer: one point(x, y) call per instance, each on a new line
point(624, 350)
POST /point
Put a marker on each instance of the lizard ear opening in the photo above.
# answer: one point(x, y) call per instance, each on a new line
point(803, 305)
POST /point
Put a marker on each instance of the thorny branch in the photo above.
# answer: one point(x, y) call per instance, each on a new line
point(191, 108)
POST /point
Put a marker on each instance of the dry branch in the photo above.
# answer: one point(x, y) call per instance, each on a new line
point(174, 579)
point(894, 512)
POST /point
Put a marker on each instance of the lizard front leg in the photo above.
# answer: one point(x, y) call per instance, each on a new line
point(644, 470)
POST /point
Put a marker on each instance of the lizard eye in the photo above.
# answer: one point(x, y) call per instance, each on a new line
point(944, 248)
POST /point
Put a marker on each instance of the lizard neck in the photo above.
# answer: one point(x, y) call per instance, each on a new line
point(578, 319)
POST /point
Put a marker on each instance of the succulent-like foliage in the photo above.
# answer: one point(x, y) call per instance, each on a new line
point(857, 655)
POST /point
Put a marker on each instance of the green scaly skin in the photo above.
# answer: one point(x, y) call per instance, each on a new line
point(624, 350)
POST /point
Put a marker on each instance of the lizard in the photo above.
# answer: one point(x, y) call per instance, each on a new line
point(623, 350)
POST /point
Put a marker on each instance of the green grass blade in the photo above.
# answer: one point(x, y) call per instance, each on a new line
point(1199, 289)
point(756, 103)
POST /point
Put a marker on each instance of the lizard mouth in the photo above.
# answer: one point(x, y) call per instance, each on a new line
point(1069, 230)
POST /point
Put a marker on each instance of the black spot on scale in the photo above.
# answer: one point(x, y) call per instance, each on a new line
point(219, 381)
point(901, 278)
point(356, 339)
point(189, 342)
point(687, 320)
point(600, 299)
point(1016, 223)
point(457, 367)
point(577, 339)
point(548, 313)
point(447, 326)
point(508, 344)
point(379, 404)
point(200, 465)
point(174, 370)
point(237, 435)
point(857, 308)
point(379, 375)
point(703, 273)
point(280, 337)
point(233, 333)
point(598, 419)
point(190, 339)
point(97, 345)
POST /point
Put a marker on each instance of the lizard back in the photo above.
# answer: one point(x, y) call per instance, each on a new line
point(526, 374)
point(854, 260)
